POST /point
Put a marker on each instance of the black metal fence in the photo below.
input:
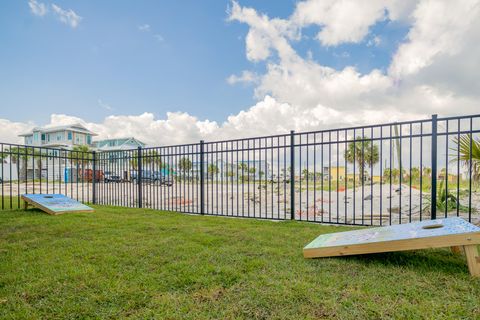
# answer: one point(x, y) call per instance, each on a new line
point(370, 175)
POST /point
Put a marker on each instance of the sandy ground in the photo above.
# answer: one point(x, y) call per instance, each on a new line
point(374, 205)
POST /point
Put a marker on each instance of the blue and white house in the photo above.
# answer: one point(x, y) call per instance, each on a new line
point(62, 137)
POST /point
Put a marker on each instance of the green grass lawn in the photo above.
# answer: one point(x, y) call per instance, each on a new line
point(133, 263)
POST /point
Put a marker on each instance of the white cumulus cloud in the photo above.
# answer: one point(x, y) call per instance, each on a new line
point(245, 77)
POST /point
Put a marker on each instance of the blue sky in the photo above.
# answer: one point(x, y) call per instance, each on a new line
point(107, 65)
point(48, 67)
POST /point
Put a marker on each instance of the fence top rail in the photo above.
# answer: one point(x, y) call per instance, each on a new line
point(249, 138)
point(472, 116)
point(390, 124)
point(163, 147)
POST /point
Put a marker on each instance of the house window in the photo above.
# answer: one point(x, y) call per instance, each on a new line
point(69, 135)
point(79, 138)
point(43, 136)
point(89, 139)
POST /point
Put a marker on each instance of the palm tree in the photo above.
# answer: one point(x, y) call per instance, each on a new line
point(426, 172)
point(134, 163)
point(212, 170)
point(252, 172)
point(185, 164)
point(243, 167)
point(363, 153)
point(156, 159)
point(20, 156)
point(467, 158)
point(83, 156)
point(305, 174)
point(37, 155)
point(415, 174)
point(3, 155)
point(386, 174)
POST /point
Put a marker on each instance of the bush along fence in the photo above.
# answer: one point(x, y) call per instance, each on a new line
point(370, 175)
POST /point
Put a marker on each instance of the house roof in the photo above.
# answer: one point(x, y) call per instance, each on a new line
point(121, 138)
point(121, 144)
point(77, 127)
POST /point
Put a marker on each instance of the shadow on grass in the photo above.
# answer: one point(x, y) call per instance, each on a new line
point(428, 260)
point(21, 211)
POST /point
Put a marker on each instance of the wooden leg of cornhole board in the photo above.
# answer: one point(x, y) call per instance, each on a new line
point(473, 259)
point(457, 249)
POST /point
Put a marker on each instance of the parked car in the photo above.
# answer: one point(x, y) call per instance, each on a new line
point(111, 177)
point(147, 176)
point(152, 177)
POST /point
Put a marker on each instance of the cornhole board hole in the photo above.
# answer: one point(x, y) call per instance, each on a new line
point(54, 203)
point(450, 232)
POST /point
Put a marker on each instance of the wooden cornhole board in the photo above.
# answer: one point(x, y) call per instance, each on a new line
point(55, 203)
point(451, 232)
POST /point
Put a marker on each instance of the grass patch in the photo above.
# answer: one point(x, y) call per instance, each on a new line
point(134, 263)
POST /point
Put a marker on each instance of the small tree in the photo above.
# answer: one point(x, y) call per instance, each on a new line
point(134, 163)
point(243, 168)
point(426, 172)
point(20, 156)
point(185, 164)
point(364, 153)
point(261, 174)
point(305, 174)
point(81, 155)
point(415, 174)
point(212, 170)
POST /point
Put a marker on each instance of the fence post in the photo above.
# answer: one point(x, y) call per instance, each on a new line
point(94, 187)
point(139, 176)
point(202, 177)
point(434, 168)
point(292, 175)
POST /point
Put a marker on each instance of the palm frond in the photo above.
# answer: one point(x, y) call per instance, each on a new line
point(463, 155)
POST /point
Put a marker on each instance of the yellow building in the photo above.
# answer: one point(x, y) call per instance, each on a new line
point(351, 177)
point(336, 173)
point(451, 177)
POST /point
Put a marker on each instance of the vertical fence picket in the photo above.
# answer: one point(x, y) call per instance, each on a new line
point(434, 168)
point(139, 176)
point(292, 175)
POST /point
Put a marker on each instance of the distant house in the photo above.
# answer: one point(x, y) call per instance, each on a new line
point(118, 144)
point(62, 137)
point(334, 173)
point(58, 165)
point(117, 157)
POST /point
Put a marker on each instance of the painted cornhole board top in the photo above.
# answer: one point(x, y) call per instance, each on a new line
point(449, 232)
point(55, 203)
